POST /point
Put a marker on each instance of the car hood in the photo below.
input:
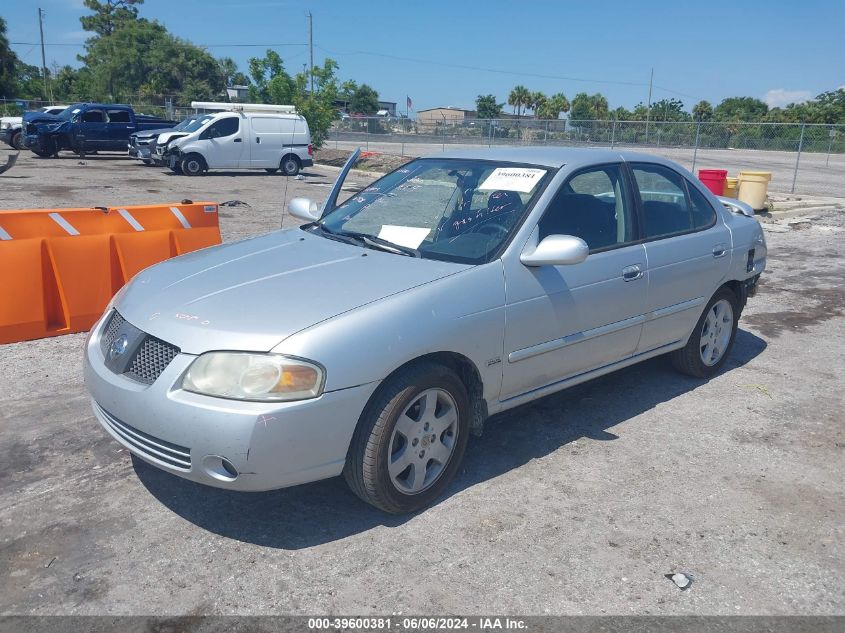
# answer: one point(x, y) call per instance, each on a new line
point(251, 295)
point(40, 117)
point(150, 133)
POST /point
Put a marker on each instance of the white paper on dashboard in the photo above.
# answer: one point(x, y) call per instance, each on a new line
point(513, 179)
point(410, 236)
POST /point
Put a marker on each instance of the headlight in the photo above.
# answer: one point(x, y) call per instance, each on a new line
point(258, 377)
point(6, 126)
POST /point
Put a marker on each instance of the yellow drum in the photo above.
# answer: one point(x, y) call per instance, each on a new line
point(753, 187)
point(730, 187)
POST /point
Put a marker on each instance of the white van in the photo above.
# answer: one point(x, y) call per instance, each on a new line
point(244, 136)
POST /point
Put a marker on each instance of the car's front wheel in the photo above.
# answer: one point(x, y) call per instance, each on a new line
point(17, 140)
point(712, 339)
point(193, 165)
point(410, 439)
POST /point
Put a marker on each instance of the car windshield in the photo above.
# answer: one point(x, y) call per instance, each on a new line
point(183, 125)
point(457, 210)
point(196, 124)
point(67, 113)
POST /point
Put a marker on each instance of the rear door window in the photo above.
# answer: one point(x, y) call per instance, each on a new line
point(666, 208)
point(703, 215)
point(118, 116)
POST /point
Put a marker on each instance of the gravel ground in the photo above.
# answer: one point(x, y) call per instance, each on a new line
point(576, 504)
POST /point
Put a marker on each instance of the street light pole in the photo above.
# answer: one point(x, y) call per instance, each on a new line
point(311, 47)
point(43, 56)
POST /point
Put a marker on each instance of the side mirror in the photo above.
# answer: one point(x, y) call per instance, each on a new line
point(556, 250)
point(304, 209)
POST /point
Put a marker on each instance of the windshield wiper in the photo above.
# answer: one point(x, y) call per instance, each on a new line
point(381, 243)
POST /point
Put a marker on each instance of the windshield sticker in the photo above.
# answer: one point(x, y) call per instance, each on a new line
point(513, 179)
point(410, 236)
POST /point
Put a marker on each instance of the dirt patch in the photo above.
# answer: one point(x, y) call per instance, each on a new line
point(823, 304)
point(369, 161)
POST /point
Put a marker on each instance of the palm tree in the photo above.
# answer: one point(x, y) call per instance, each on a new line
point(519, 98)
point(599, 106)
point(538, 103)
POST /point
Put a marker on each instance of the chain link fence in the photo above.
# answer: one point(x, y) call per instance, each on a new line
point(803, 158)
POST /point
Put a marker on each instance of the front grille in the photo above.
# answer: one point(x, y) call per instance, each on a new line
point(168, 453)
point(152, 358)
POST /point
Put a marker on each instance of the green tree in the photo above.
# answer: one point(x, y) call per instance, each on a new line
point(702, 111)
point(271, 82)
point(109, 15)
point(538, 102)
point(552, 107)
point(622, 114)
point(582, 107)
point(599, 106)
point(519, 98)
point(317, 106)
point(8, 63)
point(669, 110)
point(140, 58)
point(740, 109)
point(486, 107)
point(364, 100)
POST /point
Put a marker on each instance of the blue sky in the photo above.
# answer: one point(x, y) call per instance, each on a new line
point(446, 53)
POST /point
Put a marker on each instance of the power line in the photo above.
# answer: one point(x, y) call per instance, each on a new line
point(82, 45)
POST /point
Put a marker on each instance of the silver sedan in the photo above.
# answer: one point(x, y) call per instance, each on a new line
point(374, 339)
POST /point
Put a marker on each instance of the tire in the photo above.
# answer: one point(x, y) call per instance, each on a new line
point(290, 165)
point(17, 140)
point(396, 410)
point(177, 168)
point(710, 344)
point(271, 171)
point(193, 165)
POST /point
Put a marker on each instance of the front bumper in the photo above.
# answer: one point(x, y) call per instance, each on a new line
point(141, 152)
point(270, 445)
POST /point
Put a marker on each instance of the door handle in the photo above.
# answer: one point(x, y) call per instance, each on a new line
point(720, 250)
point(631, 273)
point(258, 139)
point(237, 140)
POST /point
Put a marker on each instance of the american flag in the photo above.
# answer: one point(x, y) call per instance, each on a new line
point(408, 103)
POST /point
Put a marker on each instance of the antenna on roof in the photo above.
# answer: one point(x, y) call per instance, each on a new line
point(243, 107)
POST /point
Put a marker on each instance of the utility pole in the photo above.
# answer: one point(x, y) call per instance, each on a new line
point(43, 56)
point(648, 107)
point(311, 46)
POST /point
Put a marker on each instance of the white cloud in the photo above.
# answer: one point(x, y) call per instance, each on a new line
point(778, 97)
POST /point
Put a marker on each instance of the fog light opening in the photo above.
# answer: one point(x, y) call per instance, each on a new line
point(220, 468)
point(229, 468)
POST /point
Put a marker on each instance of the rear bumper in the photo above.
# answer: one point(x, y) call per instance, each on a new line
point(307, 162)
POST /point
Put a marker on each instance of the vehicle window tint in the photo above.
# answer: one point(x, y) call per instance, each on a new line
point(703, 214)
point(665, 207)
point(93, 116)
point(118, 116)
point(224, 127)
point(592, 205)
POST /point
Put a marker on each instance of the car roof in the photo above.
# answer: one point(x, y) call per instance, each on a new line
point(552, 156)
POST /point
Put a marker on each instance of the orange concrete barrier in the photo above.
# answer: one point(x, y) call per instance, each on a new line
point(59, 268)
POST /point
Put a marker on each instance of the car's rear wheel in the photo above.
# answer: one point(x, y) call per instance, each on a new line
point(410, 439)
point(17, 140)
point(194, 165)
point(290, 165)
point(712, 339)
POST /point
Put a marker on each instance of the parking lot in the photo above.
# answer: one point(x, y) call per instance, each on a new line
point(579, 503)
